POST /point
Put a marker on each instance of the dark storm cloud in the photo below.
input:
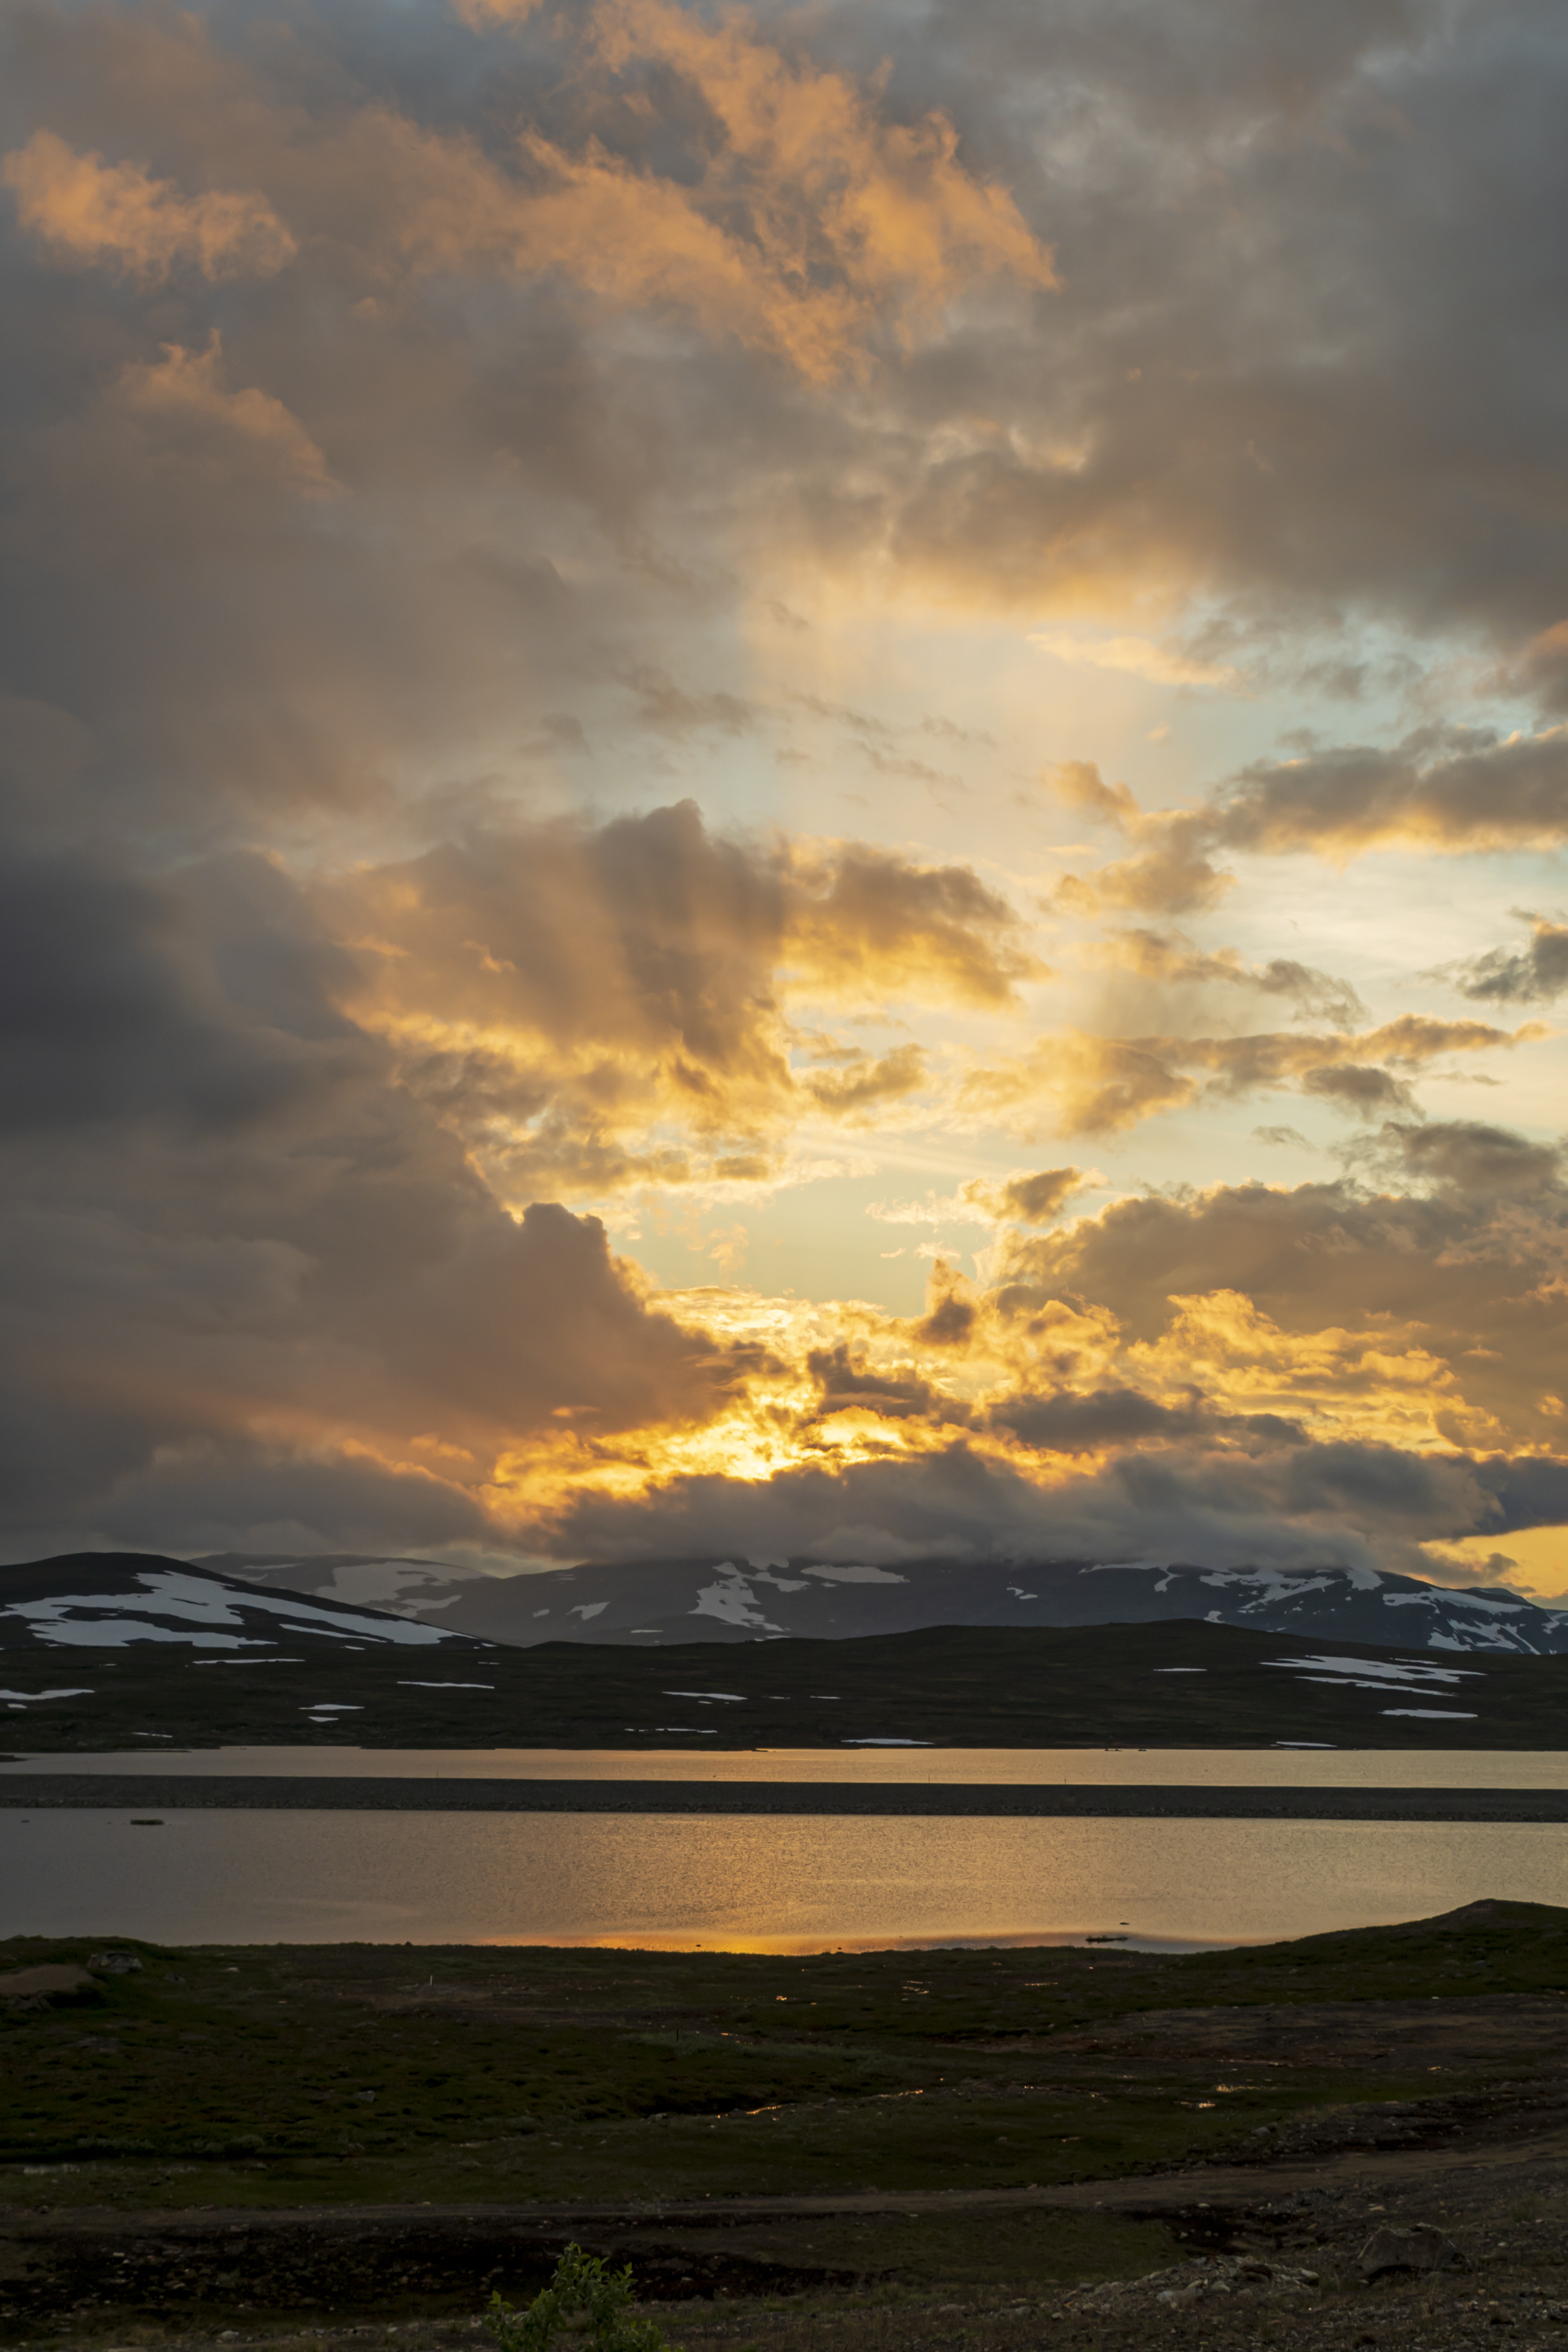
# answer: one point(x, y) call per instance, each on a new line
point(106, 1012)
point(847, 1385)
point(1324, 1505)
point(1294, 357)
point(239, 1258)
point(1310, 321)
point(1086, 1424)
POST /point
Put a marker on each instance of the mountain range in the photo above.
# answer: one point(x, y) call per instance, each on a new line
point(111, 1600)
point(707, 1599)
point(106, 1650)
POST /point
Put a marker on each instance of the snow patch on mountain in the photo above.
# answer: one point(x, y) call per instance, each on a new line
point(861, 1574)
point(202, 1611)
point(110, 1600)
point(1395, 1670)
point(730, 1600)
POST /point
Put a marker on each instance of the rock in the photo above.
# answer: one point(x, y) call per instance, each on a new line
point(115, 1964)
point(29, 1984)
point(1202, 2281)
point(1420, 2248)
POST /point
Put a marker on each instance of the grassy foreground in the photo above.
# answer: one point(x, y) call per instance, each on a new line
point(351, 2074)
point(288, 2147)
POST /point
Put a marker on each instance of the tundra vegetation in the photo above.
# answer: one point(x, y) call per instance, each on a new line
point(274, 2141)
point(1174, 1684)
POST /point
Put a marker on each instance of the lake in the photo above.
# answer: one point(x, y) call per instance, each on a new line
point(779, 1884)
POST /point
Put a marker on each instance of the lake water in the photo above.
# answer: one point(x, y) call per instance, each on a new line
point(778, 1884)
point(1229, 1768)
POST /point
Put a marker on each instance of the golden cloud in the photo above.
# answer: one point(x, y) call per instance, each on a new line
point(574, 1000)
point(1027, 1197)
point(1326, 1357)
point(116, 216)
point(866, 1085)
point(1073, 1083)
point(808, 223)
point(864, 923)
point(1448, 791)
point(1139, 657)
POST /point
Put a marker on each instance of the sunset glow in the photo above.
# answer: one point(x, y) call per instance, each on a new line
point(786, 782)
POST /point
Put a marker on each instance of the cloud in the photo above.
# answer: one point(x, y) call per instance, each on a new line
point(1354, 1508)
point(847, 1384)
point(866, 1083)
point(116, 216)
point(1036, 1198)
point(1141, 656)
point(1171, 960)
point(1466, 1156)
point(290, 1291)
point(1281, 1136)
point(1029, 1197)
point(868, 923)
point(112, 1017)
point(953, 1310)
point(281, 1275)
point(1359, 1088)
point(1080, 785)
point(803, 157)
point(1535, 975)
point(1416, 1318)
point(1103, 1418)
point(1073, 1083)
point(1447, 789)
point(1174, 875)
point(798, 220)
point(411, 436)
point(564, 992)
point(183, 394)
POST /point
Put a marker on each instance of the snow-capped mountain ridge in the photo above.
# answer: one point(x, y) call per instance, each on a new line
point(101, 1601)
point(719, 1599)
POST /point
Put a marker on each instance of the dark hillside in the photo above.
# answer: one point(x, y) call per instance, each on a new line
point(1170, 1685)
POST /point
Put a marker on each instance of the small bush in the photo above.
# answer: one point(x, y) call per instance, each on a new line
point(585, 2301)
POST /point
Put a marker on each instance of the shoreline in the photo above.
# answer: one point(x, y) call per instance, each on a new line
point(125, 1792)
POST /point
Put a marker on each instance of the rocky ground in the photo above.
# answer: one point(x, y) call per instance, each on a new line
point(1283, 2272)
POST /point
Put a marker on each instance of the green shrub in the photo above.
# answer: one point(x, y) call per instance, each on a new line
point(585, 2301)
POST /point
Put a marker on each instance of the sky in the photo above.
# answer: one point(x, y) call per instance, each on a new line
point(785, 781)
